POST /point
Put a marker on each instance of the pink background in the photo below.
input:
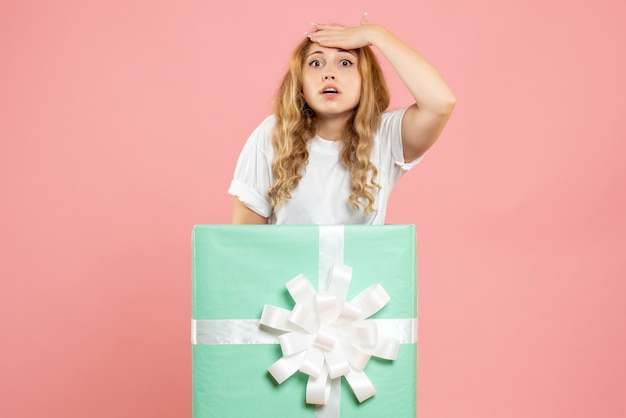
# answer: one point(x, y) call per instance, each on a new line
point(120, 125)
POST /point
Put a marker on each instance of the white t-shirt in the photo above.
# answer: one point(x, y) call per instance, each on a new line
point(322, 194)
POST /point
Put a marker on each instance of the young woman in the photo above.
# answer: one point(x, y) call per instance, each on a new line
point(330, 153)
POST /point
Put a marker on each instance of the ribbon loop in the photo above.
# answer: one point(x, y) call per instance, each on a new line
point(305, 318)
point(313, 363)
point(349, 313)
point(277, 318)
point(327, 306)
point(286, 366)
point(358, 358)
point(371, 300)
point(294, 342)
point(361, 385)
point(386, 348)
point(337, 363)
point(325, 340)
point(318, 389)
point(301, 290)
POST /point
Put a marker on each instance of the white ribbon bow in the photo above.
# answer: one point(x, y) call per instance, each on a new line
point(327, 337)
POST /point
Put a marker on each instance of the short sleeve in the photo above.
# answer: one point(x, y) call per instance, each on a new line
point(253, 173)
point(391, 136)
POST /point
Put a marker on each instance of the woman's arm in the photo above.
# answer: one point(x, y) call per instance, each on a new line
point(244, 215)
point(434, 101)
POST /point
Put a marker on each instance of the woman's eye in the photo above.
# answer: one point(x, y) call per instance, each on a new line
point(345, 63)
point(315, 63)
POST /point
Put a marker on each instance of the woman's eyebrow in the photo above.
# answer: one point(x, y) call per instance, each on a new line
point(348, 51)
point(338, 50)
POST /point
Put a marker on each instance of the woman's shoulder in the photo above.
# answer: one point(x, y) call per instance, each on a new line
point(394, 115)
point(263, 131)
point(261, 136)
point(269, 121)
point(265, 127)
point(390, 123)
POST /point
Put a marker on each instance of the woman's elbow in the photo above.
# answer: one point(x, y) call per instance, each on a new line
point(446, 105)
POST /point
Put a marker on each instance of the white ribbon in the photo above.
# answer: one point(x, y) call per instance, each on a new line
point(327, 337)
point(247, 331)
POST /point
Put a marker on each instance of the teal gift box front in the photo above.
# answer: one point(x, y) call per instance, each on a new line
point(238, 269)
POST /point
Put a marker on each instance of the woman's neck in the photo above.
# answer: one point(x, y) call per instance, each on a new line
point(331, 129)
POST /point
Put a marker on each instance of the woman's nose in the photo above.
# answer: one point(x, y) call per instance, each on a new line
point(329, 77)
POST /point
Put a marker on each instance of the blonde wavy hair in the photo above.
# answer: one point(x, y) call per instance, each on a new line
point(295, 126)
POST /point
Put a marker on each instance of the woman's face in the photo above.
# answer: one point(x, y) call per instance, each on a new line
point(331, 81)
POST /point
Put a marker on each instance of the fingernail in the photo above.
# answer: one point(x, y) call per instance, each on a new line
point(313, 24)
